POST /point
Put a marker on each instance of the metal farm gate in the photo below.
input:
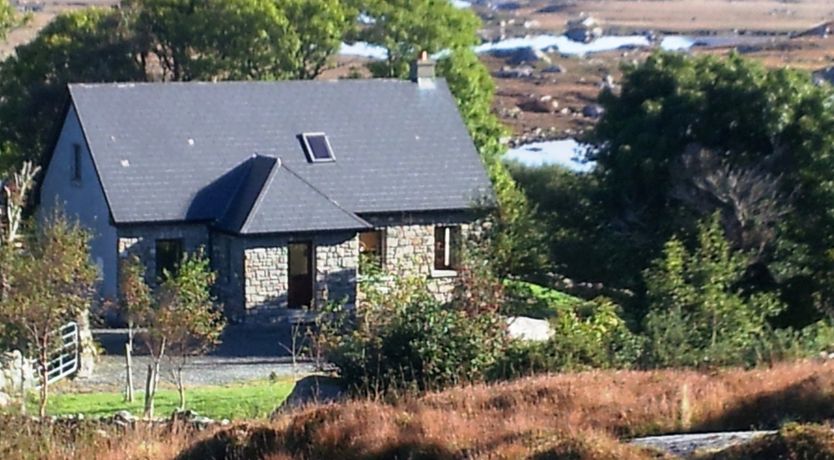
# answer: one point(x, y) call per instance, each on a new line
point(63, 360)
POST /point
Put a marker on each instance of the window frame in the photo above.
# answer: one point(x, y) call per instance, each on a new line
point(311, 157)
point(381, 247)
point(75, 166)
point(451, 250)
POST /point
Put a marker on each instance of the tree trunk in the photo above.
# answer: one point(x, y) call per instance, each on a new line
point(181, 388)
point(22, 384)
point(44, 360)
point(148, 393)
point(129, 365)
point(153, 380)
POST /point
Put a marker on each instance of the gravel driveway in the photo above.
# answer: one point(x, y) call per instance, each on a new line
point(247, 352)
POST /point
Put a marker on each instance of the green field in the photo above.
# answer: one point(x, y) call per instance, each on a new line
point(255, 399)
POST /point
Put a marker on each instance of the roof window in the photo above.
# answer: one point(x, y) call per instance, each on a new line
point(317, 147)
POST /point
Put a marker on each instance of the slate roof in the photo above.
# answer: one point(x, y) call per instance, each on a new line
point(230, 152)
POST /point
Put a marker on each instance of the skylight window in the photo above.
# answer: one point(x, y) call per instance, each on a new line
point(317, 147)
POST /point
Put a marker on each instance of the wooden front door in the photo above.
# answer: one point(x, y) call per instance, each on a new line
point(301, 271)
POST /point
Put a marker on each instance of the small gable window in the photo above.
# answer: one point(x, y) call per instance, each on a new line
point(317, 147)
point(76, 163)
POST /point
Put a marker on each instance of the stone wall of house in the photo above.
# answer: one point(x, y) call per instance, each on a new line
point(409, 247)
point(337, 260)
point(141, 240)
point(227, 263)
point(266, 272)
point(266, 276)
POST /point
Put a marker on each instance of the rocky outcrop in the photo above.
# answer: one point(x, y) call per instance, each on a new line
point(584, 29)
point(312, 389)
point(14, 368)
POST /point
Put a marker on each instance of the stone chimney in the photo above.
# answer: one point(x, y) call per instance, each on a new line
point(422, 71)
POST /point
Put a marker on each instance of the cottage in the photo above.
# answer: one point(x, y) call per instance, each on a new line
point(283, 184)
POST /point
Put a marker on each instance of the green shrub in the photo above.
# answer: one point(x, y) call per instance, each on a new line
point(400, 337)
point(535, 301)
point(697, 314)
point(591, 335)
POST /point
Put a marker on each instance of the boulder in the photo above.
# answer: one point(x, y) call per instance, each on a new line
point(554, 69)
point(583, 29)
point(528, 55)
point(5, 400)
point(541, 104)
point(515, 72)
point(530, 329)
point(593, 111)
point(312, 389)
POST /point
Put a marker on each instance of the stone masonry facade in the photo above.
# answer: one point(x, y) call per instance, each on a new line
point(141, 241)
point(253, 272)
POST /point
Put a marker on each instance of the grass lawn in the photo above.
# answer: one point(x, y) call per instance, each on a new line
point(535, 301)
point(255, 399)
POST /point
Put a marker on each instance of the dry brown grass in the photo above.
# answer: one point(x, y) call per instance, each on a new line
point(578, 416)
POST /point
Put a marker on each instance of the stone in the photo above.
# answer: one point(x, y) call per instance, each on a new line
point(529, 329)
point(593, 111)
point(312, 389)
point(515, 72)
point(583, 29)
point(554, 69)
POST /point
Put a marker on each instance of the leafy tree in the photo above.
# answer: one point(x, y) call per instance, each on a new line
point(697, 313)
point(515, 236)
point(758, 126)
point(80, 46)
point(319, 26)
point(405, 28)
point(181, 320)
point(135, 302)
point(49, 284)
point(191, 322)
point(214, 39)
point(7, 18)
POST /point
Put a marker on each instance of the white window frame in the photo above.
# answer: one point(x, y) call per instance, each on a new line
point(309, 151)
point(447, 252)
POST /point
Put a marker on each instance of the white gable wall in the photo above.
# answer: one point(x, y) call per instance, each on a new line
point(83, 200)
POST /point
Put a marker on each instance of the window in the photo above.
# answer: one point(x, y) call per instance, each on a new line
point(76, 162)
point(168, 256)
point(371, 251)
point(317, 147)
point(446, 247)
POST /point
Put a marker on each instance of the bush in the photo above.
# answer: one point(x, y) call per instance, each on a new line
point(697, 314)
point(401, 337)
point(591, 335)
point(535, 301)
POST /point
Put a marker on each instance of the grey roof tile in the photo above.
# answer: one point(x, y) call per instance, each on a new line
point(397, 147)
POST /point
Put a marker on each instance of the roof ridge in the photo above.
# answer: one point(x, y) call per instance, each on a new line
point(263, 189)
point(326, 197)
point(242, 180)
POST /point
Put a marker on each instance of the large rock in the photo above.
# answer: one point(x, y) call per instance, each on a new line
point(312, 389)
point(583, 29)
point(532, 329)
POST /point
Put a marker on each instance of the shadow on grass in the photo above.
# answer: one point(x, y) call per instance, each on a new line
point(809, 400)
